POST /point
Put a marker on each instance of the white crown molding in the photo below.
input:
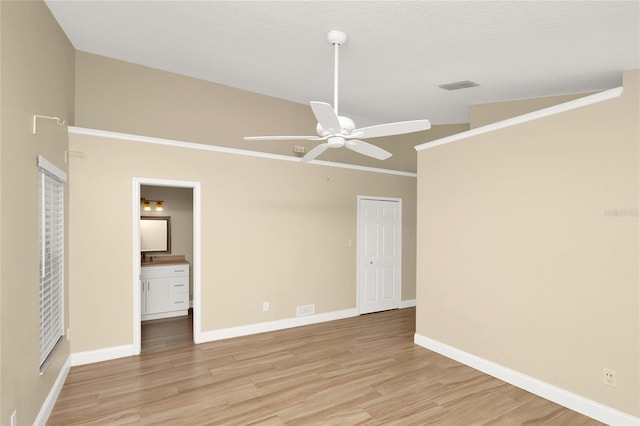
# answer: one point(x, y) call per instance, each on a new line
point(227, 150)
point(548, 391)
point(545, 112)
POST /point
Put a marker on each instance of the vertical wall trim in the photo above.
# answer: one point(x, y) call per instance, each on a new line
point(197, 283)
point(137, 308)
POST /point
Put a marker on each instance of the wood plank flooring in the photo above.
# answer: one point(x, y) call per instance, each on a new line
point(362, 370)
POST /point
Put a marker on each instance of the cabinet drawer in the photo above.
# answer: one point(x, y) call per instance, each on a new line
point(178, 271)
point(154, 271)
point(178, 302)
point(179, 285)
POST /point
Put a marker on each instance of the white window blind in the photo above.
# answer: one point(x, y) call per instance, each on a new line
point(51, 215)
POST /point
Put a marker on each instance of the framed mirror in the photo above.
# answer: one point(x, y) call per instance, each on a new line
point(155, 234)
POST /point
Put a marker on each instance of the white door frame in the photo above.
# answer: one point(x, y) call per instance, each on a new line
point(359, 246)
point(137, 308)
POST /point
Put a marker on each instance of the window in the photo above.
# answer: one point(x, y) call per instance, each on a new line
point(51, 217)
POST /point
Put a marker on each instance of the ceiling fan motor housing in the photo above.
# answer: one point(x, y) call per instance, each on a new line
point(346, 127)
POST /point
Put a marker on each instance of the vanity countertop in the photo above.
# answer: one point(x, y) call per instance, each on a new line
point(164, 260)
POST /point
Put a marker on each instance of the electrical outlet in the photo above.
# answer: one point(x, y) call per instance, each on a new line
point(609, 377)
point(14, 418)
point(265, 306)
point(298, 149)
point(68, 334)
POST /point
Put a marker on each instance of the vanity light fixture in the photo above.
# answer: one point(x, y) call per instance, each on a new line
point(146, 205)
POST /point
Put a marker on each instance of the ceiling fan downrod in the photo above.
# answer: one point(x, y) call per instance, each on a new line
point(336, 38)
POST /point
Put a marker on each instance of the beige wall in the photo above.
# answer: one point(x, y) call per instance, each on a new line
point(272, 230)
point(528, 247)
point(483, 114)
point(37, 78)
point(124, 97)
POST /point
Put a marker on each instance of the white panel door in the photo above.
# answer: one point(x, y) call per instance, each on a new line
point(379, 254)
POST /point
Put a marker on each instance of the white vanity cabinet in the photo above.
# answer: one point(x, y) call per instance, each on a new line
point(165, 291)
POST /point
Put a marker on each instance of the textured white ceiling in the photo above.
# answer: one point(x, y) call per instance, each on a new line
point(397, 54)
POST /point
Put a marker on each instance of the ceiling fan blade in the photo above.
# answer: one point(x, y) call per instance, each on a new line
point(326, 116)
point(315, 152)
point(365, 148)
point(390, 129)
point(283, 138)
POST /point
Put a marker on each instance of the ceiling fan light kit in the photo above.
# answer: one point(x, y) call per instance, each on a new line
point(340, 131)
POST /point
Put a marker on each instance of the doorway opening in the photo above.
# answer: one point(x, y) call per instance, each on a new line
point(166, 333)
point(166, 250)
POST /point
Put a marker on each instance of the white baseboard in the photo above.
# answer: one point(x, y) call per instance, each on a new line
point(99, 355)
point(106, 354)
point(245, 330)
point(545, 390)
point(173, 314)
point(50, 401)
point(409, 303)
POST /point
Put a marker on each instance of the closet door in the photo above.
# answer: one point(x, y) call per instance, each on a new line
point(379, 254)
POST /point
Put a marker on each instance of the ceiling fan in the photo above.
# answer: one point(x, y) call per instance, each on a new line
point(339, 131)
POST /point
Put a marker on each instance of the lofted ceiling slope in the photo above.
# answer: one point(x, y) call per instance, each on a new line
point(397, 54)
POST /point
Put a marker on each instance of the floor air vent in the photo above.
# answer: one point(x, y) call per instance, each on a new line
point(305, 310)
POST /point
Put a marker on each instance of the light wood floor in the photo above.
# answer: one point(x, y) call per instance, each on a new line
point(363, 370)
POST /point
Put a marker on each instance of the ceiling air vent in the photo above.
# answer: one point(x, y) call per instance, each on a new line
point(459, 85)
